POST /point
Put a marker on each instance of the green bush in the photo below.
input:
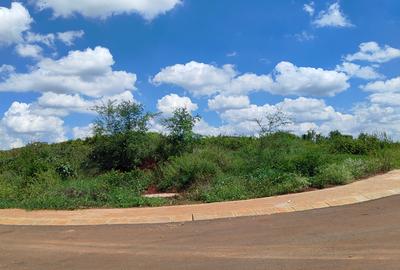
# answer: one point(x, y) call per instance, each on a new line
point(181, 172)
point(309, 162)
point(262, 183)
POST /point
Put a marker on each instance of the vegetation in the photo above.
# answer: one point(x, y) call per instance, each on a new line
point(124, 160)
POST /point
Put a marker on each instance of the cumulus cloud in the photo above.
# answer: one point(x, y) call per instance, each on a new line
point(83, 132)
point(105, 8)
point(87, 72)
point(292, 80)
point(286, 79)
point(391, 85)
point(198, 78)
point(305, 113)
point(169, 103)
point(372, 117)
point(29, 50)
point(14, 22)
point(42, 120)
point(354, 70)
point(25, 124)
point(373, 52)
point(388, 99)
point(222, 103)
point(332, 17)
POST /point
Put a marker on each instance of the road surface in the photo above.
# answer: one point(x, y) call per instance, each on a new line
point(362, 236)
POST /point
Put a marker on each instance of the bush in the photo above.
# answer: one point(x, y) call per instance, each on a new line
point(181, 172)
point(262, 183)
point(135, 181)
point(65, 171)
point(123, 152)
point(333, 174)
point(308, 163)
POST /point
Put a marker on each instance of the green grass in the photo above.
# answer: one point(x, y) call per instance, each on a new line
point(66, 176)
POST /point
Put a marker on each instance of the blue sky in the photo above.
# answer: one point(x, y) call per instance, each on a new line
point(327, 64)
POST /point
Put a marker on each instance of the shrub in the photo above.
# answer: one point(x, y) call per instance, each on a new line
point(262, 183)
point(123, 152)
point(309, 162)
point(135, 181)
point(179, 173)
point(65, 171)
point(332, 174)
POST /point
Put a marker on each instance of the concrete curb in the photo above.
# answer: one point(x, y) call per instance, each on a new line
point(369, 189)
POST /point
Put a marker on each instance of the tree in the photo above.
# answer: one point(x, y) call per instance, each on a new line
point(121, 141)
point(180, 126)
point(273, 122)
point(123, 117)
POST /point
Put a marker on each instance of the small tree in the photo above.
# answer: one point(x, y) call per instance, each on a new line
point(121, 141)
point(273, 122)
point(123, 117)
point(180, 126)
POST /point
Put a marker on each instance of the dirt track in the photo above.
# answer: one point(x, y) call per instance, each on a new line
point(362, 236)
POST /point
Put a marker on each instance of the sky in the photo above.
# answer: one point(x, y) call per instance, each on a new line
point(328, 65)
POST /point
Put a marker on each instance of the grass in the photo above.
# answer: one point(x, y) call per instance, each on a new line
point(65, 175)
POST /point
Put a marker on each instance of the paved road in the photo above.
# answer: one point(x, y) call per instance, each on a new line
point(362, 236)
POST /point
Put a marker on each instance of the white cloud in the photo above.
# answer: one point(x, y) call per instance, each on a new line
point(391, 85)
point(87, 72)
point(106, 8)
point(69, 37)
point(354, 70)
point(83, 132)
point(198, 78)
point(292, 80)
point(332, 17)
point(222, 103)
point(372, 52)
point(29, 50)
point(23, 124)
point(309, 8)
point(64, 102)
point(388, 99)
point(46, 39)
point(205, 80)
point(307, 109)
point(169, 103)
point(42, 120)
point(14, 22)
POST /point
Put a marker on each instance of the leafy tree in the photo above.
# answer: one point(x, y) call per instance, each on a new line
point(123, 117)
point(121, 141)
point(180, 126)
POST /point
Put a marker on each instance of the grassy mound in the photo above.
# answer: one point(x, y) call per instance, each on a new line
point(115, 170)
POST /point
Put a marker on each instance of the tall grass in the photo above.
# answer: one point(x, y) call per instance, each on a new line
point(65, 176)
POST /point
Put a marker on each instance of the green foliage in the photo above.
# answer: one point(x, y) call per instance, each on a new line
point(114, 170)
point(181, 172)
point(65, 171)
point(123, 117)
point(180, 126)
point(121, 141)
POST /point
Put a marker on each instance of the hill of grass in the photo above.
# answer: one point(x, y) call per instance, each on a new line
point(114, 170)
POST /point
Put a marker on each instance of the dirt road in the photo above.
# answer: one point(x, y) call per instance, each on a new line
point(362, 236)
